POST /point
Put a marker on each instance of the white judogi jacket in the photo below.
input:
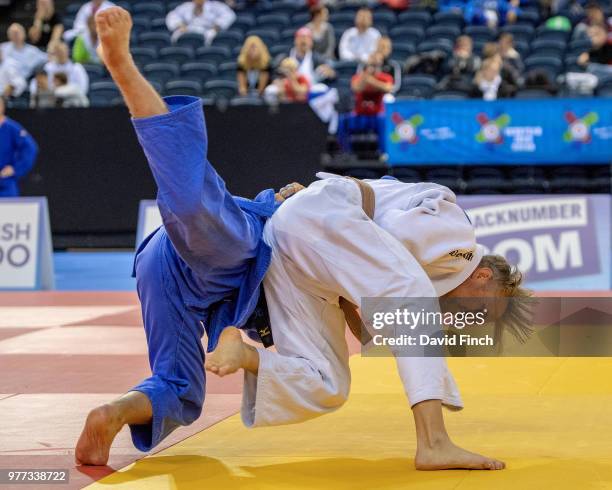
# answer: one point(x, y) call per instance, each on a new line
point(80, 21)
point(419, 245)
point(214, 14)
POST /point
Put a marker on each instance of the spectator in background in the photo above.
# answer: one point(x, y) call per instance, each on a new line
point(598, 60)
point(85, 44)
point(509, 73)
point(369, 88)
point(389, 66)
point(291, 86)
point(488, 82)
point(594, 15)
point(205, 17)
point(359, 42)
point(310, 64)
point(26, 56)
point(323, 36)
point(492, 13)
point(68, 94)
point(42, 97)
point(462, 66)
point(86, 11)
point(509, 54)
point(60, 63)
point(253, 71)
point(12, 84)
point(18, 152)
point(47, 26)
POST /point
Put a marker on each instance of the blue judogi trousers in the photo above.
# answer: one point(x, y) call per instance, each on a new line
point(191, 273)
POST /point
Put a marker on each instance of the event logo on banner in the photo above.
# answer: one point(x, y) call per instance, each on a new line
point(506, 131)
point(560, 242)
point(25, 244)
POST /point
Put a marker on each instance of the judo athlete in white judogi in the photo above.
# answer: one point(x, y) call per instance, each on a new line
point(325, 252)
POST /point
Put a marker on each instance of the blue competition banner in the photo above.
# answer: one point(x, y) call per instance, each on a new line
point(509, 131)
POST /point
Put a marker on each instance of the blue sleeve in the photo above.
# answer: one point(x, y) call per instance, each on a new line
point(26, 150)
point(205, 225)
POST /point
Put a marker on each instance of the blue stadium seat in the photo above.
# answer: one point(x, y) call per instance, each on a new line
point(486, 173)
point(532, 93)
point(578, 46)
point(213, 54)
point(272, 21)
point(480, 33)
point(449, 19)
point(162, 72)
point(95, 72)
point(345, 68)
point(342, 18)
point(299, 20)
point(158, 24)
point(191, 40)
point(548, 47)
point(544, 32)
point(183, 87)
point(268, 36)
point(176, 54)
point(523, 47)
point(418, 85)
point(280, 49)
point(248, 100)
point(150, 9)
point(143, 56)
point(549, 63)
point(287, 36)
point(73, 8)
point(229, 39)
point(450, 95)
point(415, 18)
point(437, 31)
point(244, 21)
point(226, 71)
point(528, 17)
point(103, 89)
point(156, 40)
point(385, 18)
point(406, 174)
point(140, 24)
point(220, 89)
point(406, 34)
point(198, 71)
point(440, 44)
point(281, 7)
point(401, 51)
point(522, 32)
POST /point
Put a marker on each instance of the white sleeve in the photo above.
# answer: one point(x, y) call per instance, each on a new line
point(80, 21)
point(81, 79)
point(177, 17)
point(224, 16)
point(344, 49)
point(373, 36)
point(16, 81)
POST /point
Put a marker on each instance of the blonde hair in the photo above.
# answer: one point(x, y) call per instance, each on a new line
point(264, 56)
point(517, 317)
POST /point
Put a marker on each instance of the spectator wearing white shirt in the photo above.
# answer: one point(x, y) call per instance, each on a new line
point(359, 42)
point(12, 84)
point(60, 63)
point(88, 10)
point(26, 56)
point(205, 17)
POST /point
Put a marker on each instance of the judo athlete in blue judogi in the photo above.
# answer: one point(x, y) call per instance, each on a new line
point(18, 152)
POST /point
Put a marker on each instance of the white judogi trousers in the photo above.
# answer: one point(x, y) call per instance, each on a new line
point(323, 247)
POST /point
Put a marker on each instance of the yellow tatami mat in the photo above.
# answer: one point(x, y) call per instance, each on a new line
point(549, 419)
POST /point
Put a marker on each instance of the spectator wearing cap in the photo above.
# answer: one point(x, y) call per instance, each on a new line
point(12, 84)
point(26, 56)
point(323, 36)
point(18, 152)
point(310, 64)
point(359, 42)
point(253, 71)
point(47, 26)
point(87, 10)
point(205, 17)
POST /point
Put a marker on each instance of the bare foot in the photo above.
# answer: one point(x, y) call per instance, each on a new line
point(113, 26)
point(446, 456)
point(230, 355)
point(101, 427)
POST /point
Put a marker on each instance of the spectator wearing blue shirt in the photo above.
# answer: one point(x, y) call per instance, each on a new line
point(17, 154)
point(492, 13)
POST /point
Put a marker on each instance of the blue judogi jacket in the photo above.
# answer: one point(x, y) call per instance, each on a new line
point(215, 250)
point(18, 149)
